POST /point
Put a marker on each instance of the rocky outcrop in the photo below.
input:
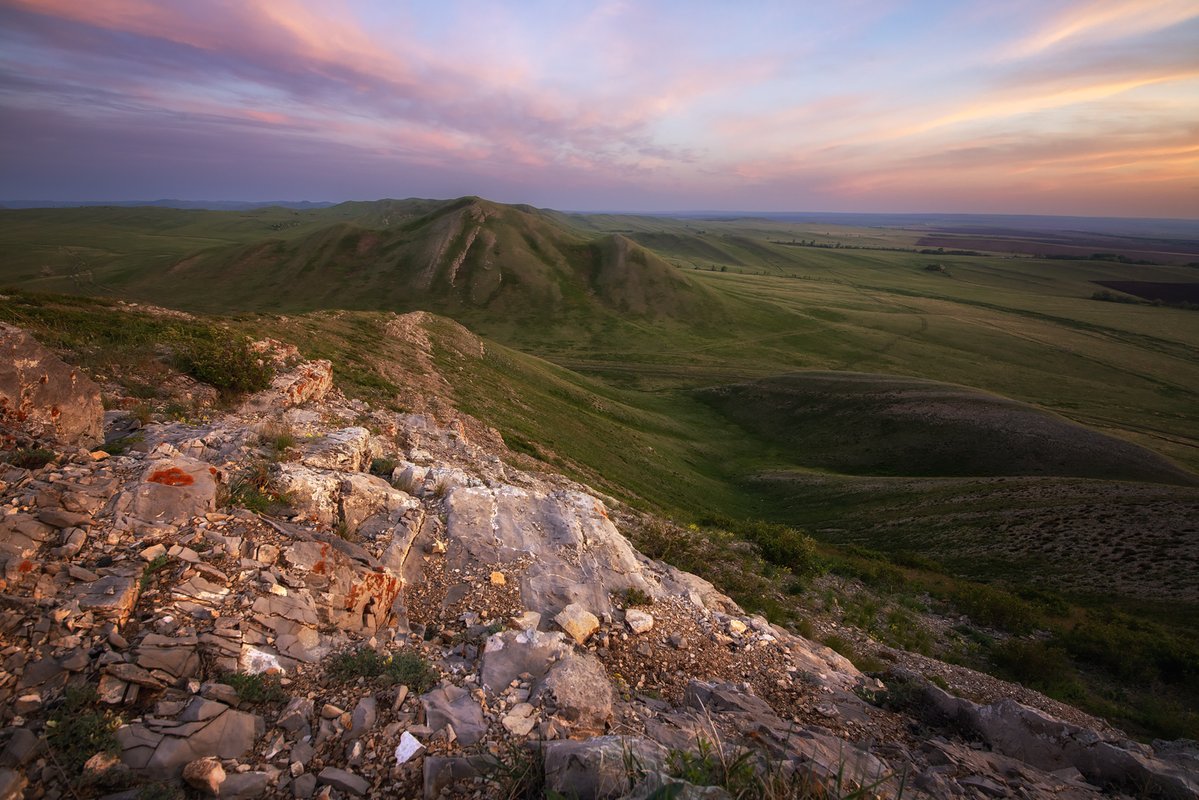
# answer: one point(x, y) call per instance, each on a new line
point(364, 639)
point(42, 398)
point(1053, 745)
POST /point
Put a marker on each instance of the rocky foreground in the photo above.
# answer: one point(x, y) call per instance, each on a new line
point(246, 608)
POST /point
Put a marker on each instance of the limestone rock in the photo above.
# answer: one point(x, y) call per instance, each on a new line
point(595, 769)
point(44, 398)
point(163, 747)
point(362, 718)
point(347, 450)
point(205, 775)
point(173, 490)
point(245, 785)
point(581, 691)
point(344, 780)
point(510, 654)
point(453, 705)
point(520, 719)
point(638, 621)
point(310, 381)
point(578, 622)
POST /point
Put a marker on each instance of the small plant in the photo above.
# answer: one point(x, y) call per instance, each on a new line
point(636, 596)
point(342, 529)
point(518, 773)
point(143, 413)
point(441, 488)
point(253, 489)
point(278, 439)
point(78, 729)
point(383, 467)
point(160, 791)
point(31, 458)
point(122, 445)
point(256, 688)
point(406, 667)
point(226, 362)
point(151, 569)
point(709, 765)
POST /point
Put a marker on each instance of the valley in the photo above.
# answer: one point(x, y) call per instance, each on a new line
point(939, 417)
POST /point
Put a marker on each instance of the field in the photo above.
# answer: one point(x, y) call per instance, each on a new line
point(980, 415)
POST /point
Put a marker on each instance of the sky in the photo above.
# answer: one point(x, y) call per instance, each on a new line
point(1020, 106)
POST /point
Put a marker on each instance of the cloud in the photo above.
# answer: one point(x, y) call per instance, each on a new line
point(1091, 23)
point(689, 104)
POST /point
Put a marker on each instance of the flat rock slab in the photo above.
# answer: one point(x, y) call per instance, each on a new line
point(509, 654)
point(581, 691)
point(344, 780)
point(453, 705)
point(112, 596)
point(173, 490)
point(595, 769)
point(162, 747)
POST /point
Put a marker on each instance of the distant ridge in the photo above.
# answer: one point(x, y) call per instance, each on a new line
point(208, 205)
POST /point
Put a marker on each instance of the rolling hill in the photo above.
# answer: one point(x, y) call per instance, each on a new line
point(866, 424)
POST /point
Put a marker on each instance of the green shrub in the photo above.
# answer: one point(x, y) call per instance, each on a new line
point(407, 667)
point(153, 568)
point(160, 791)
point(994, 608)
point(253, 489)
point(779, 544)
point(256, 689)
point(31, 458)
point(708, 765)
point(635, 596)
point(226, 362)
point(1036, 663)
point(78, 729)
point(383, 467)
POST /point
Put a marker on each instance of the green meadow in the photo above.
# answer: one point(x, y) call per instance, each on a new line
point(958, 421)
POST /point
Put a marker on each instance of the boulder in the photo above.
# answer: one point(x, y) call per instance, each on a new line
point(638, 621)
point(581, 557)
point(310, 381)
point(578, 622)
point(345, 450)
point(509, 654)
point(205, 775)
point(597, 769)
point(581, 692)
point(173, 490)
point(44, 398)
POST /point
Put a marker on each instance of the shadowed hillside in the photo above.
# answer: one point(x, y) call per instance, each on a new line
point(457, 257)
point(881, 425)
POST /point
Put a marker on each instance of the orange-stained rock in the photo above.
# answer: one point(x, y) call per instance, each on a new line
point(41, 397)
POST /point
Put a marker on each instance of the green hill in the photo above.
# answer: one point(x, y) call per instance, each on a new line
point(865, 424)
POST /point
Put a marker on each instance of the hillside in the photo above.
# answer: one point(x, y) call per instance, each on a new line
point(866, 424)
point(468, 257)
point(295, 592)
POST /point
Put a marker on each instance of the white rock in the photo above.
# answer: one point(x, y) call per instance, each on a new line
point(408, 747)
point(638, 621)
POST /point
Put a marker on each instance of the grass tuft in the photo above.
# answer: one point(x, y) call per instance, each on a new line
point(406, 667)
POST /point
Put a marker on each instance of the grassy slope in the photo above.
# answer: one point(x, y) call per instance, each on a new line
point(669, 452)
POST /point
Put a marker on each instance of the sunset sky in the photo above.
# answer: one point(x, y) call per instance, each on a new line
point(1020, 106)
